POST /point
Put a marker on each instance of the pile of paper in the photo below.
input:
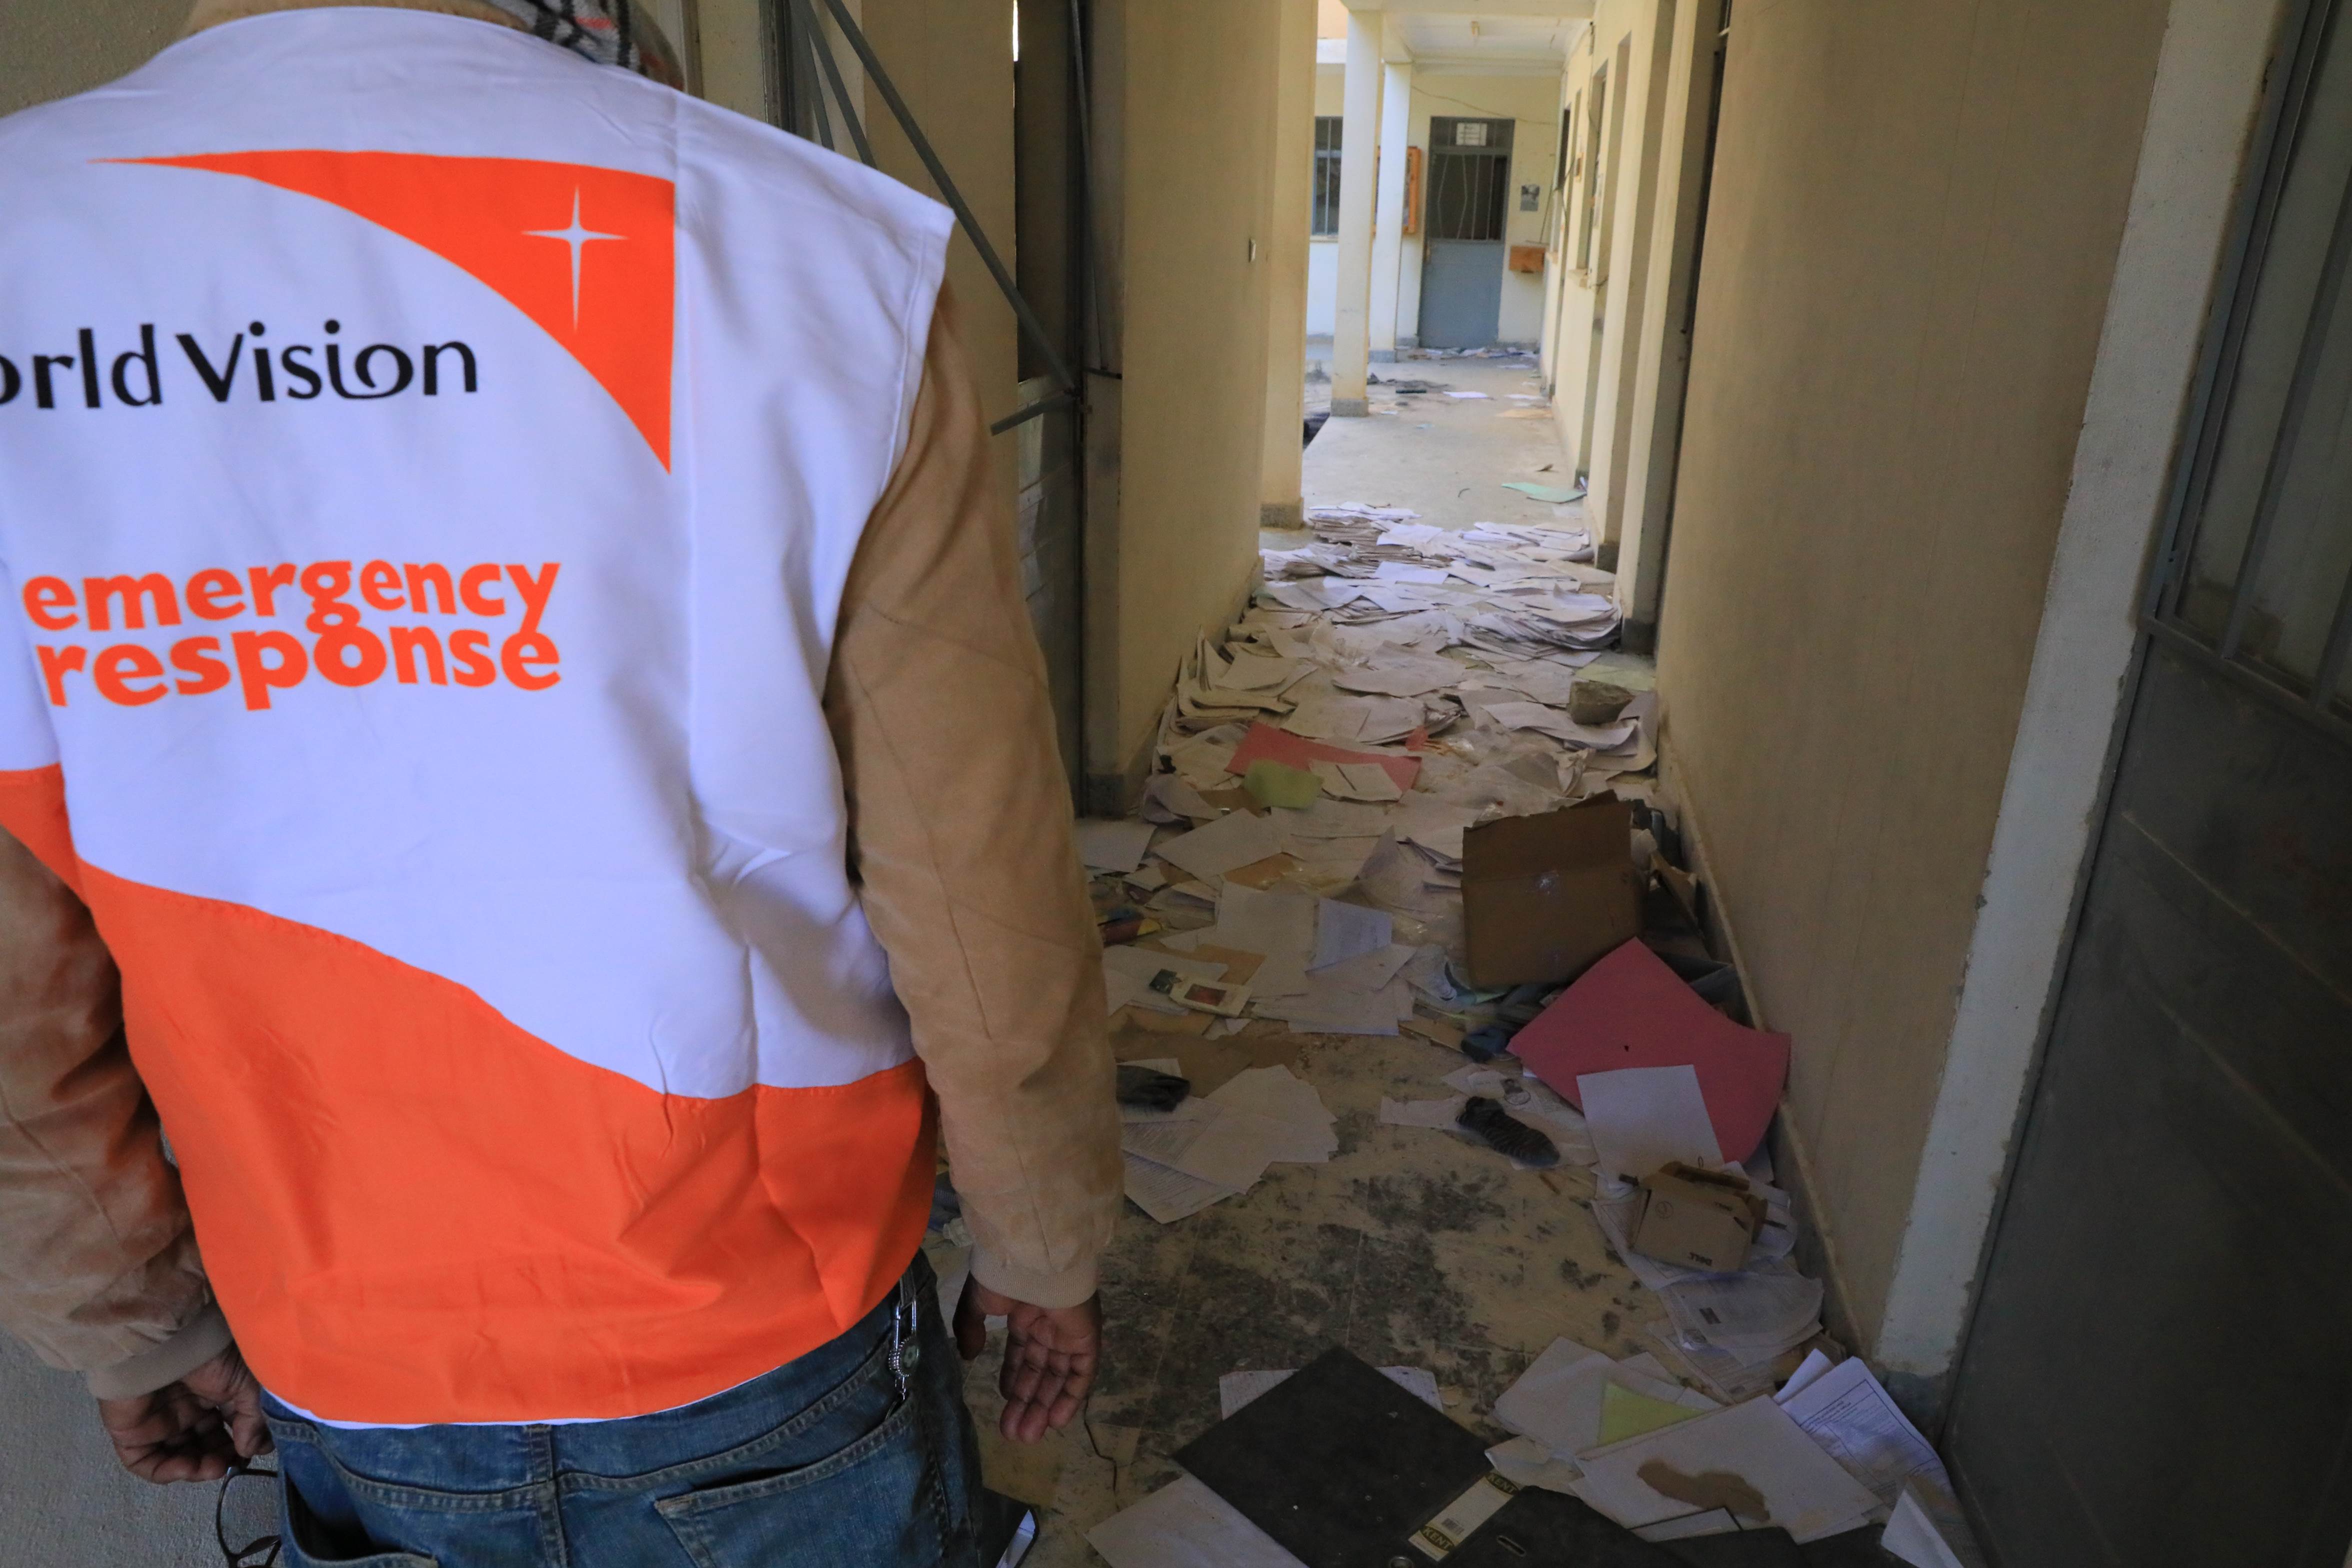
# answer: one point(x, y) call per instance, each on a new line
point(1830, 1452)
point(1206, 1150)
point(1657, 1456)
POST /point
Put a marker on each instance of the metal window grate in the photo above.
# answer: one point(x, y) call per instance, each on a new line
point(2257, 576)
point(1469, 179)
point(1325, 218)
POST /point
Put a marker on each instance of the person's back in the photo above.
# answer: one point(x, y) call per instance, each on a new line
point(431, 466)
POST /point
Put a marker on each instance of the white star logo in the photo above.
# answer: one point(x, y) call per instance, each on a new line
point(576, 237)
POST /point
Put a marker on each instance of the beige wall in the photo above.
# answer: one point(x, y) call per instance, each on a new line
point(1290, 212)
point(952, 62)
point(1915, 225)
point(1604, 315)
point(52, 47)
point(1330, 90)
point(1199, 112)
point(1568, 315)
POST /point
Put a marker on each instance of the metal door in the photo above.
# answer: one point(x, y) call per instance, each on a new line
point(1467, 208)
point(2159, 1375)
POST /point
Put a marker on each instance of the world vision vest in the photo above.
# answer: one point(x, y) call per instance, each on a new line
point(429, 466)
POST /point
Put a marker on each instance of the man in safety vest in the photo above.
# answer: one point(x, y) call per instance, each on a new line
point(514, 658)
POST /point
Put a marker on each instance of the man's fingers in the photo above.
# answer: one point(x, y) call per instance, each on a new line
point(1054, 1403)
point(192, 1430)
point(165, 1469)
point(1050, 1356)
point(250, 1433)
point(232, 1394)
point(162, 1449)
point(1049, 1367)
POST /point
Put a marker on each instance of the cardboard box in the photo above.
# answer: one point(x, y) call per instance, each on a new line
point(1543, 897)
point(1696, 1218)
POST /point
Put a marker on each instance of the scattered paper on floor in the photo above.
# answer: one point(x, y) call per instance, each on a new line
point(1750, 1459)
point(1186, 1525)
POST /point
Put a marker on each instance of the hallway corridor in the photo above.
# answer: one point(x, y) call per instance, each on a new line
point(1413, 1245)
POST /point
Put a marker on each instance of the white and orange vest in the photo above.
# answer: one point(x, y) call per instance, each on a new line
point(429, 466)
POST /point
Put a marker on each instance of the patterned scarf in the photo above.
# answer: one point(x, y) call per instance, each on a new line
point(610, 32)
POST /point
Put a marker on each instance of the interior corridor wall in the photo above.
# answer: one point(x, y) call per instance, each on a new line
point(1199, 136)
point(1567, 320)
point(1914, 228)
point(952, 62)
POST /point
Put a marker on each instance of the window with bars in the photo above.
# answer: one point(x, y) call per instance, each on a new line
point(1469, 178)
point(2260, 571)
point(1325, 220)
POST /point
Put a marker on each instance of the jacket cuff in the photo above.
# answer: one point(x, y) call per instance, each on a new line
point(1065, 1288)
point(204, 1338)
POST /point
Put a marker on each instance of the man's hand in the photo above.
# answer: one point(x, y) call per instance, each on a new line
point(192, 1430)
point(1049, 1356)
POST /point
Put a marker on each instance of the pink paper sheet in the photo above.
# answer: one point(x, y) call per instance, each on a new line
point(1631, 1011)
point(1264, 741)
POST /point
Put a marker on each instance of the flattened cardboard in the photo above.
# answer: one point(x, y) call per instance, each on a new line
point(1695, 1218)
point(1543, 897)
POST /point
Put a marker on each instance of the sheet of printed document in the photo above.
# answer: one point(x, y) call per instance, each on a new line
point(1752, 1447)
point(1850, 1413)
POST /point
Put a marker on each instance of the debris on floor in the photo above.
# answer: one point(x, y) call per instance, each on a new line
point(1181, 1159)
point(1552, 493)
point(1399, 803)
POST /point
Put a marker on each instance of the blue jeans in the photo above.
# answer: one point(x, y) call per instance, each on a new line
point(821, 1461)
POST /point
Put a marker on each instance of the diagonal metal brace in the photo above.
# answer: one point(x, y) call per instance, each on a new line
point(1030, 324)
point(804, 12)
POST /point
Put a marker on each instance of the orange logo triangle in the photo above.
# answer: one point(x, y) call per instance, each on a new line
point(589, 254)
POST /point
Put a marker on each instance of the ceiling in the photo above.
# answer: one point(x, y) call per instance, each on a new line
point(1443, 39)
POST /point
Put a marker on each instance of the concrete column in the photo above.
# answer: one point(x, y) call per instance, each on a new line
point(1281, 499)
point(1360, 145)
point(1388, 222)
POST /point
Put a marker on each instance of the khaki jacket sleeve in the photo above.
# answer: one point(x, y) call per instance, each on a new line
point(961, 832)
point(99, 1270)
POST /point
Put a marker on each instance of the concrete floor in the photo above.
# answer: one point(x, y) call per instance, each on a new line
point(1410, 1247)
point(1444, 457)
point(64, 1500)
